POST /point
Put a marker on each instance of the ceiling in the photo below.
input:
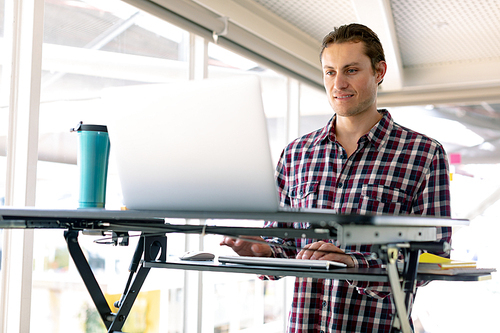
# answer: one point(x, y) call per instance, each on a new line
point(444, 55)
point(432, 46)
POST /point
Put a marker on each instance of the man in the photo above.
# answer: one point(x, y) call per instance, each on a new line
point(361, 162)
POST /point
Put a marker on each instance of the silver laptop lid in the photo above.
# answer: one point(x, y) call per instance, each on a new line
point(194, 145)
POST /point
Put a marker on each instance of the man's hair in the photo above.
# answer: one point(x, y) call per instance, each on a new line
point(355, 33)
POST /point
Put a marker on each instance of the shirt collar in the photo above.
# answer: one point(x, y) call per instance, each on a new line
point(327, 132)
point(378, 135)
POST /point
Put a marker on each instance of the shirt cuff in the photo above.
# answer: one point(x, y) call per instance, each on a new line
point(370, 288)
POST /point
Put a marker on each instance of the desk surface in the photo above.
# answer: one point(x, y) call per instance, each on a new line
point(346, 228)
point(353, 274)
point(9, 217)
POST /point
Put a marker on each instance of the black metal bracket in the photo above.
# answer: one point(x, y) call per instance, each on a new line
point(88, 277)
point(154, 248)
point(404, 281)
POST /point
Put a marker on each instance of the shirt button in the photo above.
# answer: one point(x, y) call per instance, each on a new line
point(339, 185)
point(324, 303)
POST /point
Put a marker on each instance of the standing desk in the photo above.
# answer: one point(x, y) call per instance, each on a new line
point(390, 235)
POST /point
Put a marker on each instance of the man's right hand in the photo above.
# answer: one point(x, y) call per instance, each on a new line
point(248, 248)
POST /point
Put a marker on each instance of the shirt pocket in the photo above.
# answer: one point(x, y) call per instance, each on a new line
point(304, 195)
point(384, 199)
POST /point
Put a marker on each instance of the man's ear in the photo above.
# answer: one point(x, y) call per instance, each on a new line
point(380, 71)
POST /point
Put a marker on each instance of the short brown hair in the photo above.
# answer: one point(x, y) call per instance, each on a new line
point(355, 33)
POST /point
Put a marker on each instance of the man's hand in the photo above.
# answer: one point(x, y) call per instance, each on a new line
point(248, 248)
point(325, 251)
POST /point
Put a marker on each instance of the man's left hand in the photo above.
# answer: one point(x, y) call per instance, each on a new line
point(325, 251)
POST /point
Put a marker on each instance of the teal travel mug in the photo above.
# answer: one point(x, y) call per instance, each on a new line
point(92, 160)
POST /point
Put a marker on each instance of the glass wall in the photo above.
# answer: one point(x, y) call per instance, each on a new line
point(224, 63)
point(4, 102)
point(473, 188)
point(259, 305)
point(315, 111)
point(4, 112)
point(89, 47)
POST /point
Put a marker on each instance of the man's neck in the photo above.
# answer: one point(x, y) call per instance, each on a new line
point(348, 130)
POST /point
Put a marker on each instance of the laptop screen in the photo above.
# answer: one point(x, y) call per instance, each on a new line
point(194, 145)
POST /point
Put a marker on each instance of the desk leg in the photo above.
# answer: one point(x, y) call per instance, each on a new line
point(129, 299)
point(397, 292)
point(410, 274)
point(88, 277)
point(152, 246)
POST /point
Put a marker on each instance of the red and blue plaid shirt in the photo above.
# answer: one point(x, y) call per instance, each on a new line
point(393, 171)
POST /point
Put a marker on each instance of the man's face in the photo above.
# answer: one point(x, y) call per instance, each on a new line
point(350, 83)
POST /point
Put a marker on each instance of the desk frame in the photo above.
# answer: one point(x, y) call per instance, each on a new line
point(390, 234)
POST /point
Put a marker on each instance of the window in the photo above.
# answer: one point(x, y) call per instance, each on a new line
point(4, 102)
point(86, 50)
point(92, 45)
point(471, 187)
point(314, 109)
point(476, 242)
point(262, 305)
point(88, 47)
point(223, 63)
point(4, 113)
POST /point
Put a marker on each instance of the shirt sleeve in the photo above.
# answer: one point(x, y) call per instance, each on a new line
point(433, 198)
point(281, 248)
point(281, 181)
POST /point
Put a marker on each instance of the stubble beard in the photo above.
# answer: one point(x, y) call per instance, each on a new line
point(350, 111)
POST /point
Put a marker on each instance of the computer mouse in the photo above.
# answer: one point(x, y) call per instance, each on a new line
point(197, 256)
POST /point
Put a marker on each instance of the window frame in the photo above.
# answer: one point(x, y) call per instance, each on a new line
point(24, 102)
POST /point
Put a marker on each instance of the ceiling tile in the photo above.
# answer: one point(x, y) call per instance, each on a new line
point(433, 32)
point(315, 17)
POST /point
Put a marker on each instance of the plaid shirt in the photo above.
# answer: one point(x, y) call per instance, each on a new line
point(393, 171)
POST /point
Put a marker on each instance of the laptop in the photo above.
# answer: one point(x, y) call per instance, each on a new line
point(194, 145)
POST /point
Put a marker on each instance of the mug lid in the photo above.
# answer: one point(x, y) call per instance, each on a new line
point(89, 127)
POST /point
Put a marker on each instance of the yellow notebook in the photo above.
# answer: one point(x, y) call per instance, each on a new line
point(427, 260)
